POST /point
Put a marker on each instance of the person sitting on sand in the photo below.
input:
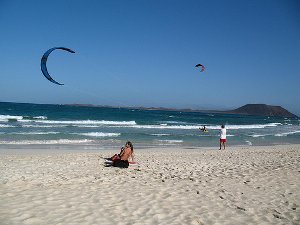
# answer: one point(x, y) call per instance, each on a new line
point(121, 160)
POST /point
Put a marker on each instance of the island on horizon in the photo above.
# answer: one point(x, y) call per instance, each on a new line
point(248, 109)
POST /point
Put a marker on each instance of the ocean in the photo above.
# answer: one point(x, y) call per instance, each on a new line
point(104, 127)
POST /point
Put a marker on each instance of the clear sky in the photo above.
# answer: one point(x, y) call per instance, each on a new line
point(143, 53)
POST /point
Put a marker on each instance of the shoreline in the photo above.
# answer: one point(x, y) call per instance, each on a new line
point(239, 185)
point(97, 147)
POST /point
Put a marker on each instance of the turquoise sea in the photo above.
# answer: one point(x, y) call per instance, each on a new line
point(103, 127)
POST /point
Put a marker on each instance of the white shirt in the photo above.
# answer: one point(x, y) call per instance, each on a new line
point(223, 133)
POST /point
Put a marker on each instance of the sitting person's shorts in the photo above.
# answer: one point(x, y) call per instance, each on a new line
point(120, 163)
point(115, 157)
point(222, 140)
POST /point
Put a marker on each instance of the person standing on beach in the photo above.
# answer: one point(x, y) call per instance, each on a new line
point(222, 137)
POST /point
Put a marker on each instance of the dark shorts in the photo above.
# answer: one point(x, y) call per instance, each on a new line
point(121, 163)
point(222, 140)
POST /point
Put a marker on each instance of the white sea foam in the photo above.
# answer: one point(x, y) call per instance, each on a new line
point(43, 126)
point(35, 117)
point(287, 133)
point(5, 125)
point(21, 118)
point(99, 134)
point(41, 142)
point(284, 134)
point(87, 126)
point(41, 121)
point(160, 134)
point(195, 127)
point(87, 122)
point(250, 126)
point(258, 135)
point(40, 117)
point(164, 126)
point(248, 142)
point(173, 122)
point(61, 125)
point(35, 133)
point(171, 141)
point(5, 118)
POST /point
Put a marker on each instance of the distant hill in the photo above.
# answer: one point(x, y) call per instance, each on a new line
point(262, 110)
point(249, 109)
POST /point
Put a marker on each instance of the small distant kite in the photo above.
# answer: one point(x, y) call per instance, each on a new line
point(44, 61)
point(202, 67)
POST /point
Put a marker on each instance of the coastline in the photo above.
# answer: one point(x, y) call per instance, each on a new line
point(241, 185)
point(31, 125)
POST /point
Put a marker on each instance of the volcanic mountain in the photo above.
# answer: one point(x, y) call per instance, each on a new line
point(262, 110)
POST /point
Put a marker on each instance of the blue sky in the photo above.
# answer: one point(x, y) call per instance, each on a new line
point(143, 53)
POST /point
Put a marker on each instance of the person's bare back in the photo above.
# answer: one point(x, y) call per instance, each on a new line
point(124, 155)
point(127, 152)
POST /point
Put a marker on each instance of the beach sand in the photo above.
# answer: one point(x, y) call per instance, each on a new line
point(241, 185)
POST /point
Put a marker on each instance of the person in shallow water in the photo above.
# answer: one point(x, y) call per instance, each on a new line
point(203, 129)
point(121, 160)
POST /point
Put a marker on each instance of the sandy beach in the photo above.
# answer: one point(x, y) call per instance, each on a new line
point(241, 185)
